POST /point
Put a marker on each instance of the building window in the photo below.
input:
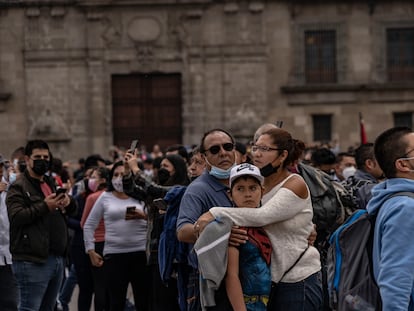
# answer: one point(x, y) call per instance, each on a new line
point(322, 127)
point(400, 54)
point(403, 119)
point(320, 56)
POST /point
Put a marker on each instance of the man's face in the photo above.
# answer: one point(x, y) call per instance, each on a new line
point(345, 162)
point(37, 154)
point(219, 141)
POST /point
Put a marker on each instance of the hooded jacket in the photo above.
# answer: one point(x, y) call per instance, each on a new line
point(393, 249)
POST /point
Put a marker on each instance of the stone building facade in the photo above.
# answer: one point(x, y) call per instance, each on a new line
point(238, 63)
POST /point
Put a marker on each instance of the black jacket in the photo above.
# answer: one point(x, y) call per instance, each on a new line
point(32, 225)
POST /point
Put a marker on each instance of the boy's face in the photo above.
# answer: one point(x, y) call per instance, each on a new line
point(246, 192)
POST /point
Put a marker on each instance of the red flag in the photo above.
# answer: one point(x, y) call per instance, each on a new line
point(362, 130)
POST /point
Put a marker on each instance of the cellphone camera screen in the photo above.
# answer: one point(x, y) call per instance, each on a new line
point(130, 209)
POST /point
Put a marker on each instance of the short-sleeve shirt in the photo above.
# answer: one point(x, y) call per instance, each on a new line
point(202, 194)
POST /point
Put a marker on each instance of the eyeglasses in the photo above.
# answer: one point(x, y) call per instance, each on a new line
point(256, 148)
point(216, 148)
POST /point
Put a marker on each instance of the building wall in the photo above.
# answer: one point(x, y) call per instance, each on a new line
point(241, 64)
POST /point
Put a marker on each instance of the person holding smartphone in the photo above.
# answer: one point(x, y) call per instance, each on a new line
point(125, 239)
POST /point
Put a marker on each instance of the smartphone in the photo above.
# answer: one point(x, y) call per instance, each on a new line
point(134, 145)
point(60, 191)
point(160, 204)
point(130, 210)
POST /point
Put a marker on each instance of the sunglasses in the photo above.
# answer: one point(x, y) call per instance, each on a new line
point(216, 148)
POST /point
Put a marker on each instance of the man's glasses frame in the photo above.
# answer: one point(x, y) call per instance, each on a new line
point(216, 148)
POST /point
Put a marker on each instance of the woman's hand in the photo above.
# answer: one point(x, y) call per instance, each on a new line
point(96, 259)
point(131, 162)
point(312, 236)
point(238, 236)
point(136, 214)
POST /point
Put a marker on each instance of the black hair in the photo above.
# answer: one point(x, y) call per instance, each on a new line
point(342, 155)
point(323, 156)
point(180, 177)
point(103, 172)
point(389, 147)
point(181, 150)
point(362, 153)
point(202, 147)
point(35, 144)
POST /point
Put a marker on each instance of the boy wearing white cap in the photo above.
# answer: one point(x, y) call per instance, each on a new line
point(248, 279)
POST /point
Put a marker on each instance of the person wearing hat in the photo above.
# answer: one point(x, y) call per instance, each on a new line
point(286, 216)
point(248, 277)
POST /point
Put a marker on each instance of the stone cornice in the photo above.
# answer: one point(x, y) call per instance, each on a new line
point(315, 88)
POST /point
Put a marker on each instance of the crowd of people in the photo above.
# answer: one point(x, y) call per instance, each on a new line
point(222, 226)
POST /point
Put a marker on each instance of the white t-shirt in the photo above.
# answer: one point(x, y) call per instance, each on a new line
point(121, 236)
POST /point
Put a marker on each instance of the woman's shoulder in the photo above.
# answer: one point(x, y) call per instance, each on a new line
point(297, 185)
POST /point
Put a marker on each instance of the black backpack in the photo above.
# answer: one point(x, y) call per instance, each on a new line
point(330, 200)
point(350, 270)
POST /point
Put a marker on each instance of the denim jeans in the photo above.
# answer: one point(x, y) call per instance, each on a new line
point(66, 292)
point(8, 289)
point(305, 295)
point(39, 283)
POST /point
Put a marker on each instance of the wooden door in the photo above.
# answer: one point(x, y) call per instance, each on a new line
point(146, 107)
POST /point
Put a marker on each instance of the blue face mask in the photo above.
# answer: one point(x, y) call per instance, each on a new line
point(219, 173)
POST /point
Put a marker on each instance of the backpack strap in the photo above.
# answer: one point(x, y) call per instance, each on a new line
point(402, 193)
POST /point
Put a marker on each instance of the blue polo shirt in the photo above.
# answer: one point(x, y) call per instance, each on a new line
point(202, 194)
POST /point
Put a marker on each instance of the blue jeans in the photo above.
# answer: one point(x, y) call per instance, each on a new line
point(9, 297)
point(305, 295)
point(39, 283)
point(67, 289)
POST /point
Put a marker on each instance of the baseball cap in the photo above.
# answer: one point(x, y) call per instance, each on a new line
point(245, 169)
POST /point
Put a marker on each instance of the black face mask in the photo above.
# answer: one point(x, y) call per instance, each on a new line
point(163, 176)
point(268, 170)
point(40, 167)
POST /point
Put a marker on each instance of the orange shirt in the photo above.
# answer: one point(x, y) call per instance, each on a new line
point(90, 202)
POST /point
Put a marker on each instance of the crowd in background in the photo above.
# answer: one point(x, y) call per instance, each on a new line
point(138, 215)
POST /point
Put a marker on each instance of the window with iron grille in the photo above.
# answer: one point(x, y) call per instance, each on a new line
point(400, 54)
point(322, 127)
point(320, 56)
point(403, 119)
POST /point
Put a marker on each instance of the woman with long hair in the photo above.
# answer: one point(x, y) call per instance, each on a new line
point(125, 239)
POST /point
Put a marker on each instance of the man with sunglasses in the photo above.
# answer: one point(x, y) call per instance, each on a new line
point(208, 190)
point(38, 230)
point(392, 201)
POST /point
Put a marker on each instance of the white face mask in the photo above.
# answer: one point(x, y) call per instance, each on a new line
point(117, 183)
point(348, 171)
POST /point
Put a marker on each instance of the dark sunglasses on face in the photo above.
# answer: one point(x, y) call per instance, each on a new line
point(216, 148)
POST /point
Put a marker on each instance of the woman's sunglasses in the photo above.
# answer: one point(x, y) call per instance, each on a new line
point(216, 148)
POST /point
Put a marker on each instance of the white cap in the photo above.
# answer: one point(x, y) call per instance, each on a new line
point(245, 169)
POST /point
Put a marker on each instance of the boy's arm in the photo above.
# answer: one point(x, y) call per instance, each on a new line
point(233, 286)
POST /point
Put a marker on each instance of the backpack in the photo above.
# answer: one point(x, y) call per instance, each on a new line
point(330, 200)
point(350, 268)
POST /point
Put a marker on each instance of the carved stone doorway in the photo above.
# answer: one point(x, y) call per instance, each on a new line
point(147, 107)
